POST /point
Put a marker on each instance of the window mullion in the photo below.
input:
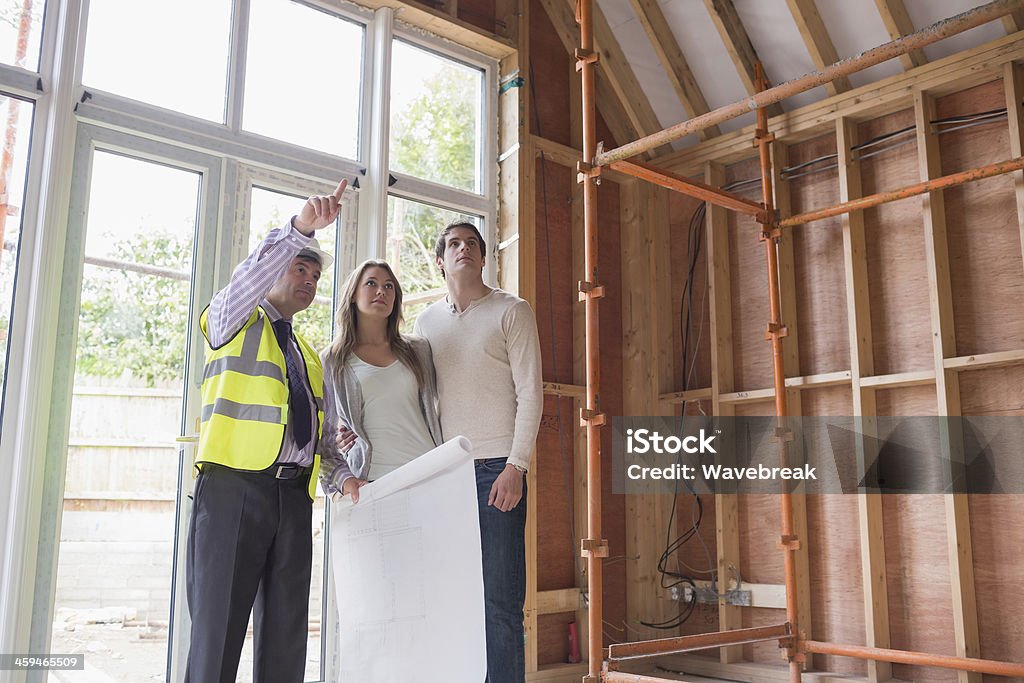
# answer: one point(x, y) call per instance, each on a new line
point(373, 216)
point(237, 55)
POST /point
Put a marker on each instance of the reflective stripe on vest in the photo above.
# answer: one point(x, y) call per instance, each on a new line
point(245, 398)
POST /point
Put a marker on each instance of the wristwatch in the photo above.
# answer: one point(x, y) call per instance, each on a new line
point(519, 468)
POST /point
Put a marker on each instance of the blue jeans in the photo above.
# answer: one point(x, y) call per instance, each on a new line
point(503, 545)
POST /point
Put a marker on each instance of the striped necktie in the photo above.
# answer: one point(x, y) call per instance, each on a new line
point(298, 399)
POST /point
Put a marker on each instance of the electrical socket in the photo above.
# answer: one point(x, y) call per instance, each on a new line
point(706, 595)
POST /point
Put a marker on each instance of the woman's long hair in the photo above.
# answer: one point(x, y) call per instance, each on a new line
point(346, 321)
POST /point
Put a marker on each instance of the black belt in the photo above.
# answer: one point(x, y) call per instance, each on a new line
point(287, 471)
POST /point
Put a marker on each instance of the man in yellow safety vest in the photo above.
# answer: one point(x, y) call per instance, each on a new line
point(250, 534)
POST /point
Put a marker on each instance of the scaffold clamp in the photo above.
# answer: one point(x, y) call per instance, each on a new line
point(784, 434)
point(788, 542)
point(776, 330)
point(590, 289)
point(771, 230)
point(764, 135)
point(594, 547)
point(585, 57)
point(585, 170)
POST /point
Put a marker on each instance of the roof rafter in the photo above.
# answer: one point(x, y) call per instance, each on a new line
point(737, 43)
point(671, 56)
point(898, 24)
point(1014, 21)
point(816, 38)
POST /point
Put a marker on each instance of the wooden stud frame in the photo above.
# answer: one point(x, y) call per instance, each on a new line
point(869, 505)
point(947, 385)
point(839, 114)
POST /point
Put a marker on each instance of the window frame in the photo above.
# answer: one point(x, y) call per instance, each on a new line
point(67, 115)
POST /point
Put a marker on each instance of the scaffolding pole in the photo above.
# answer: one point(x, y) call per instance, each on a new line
point(789, 542)
point(594, 548)
point(952, 180)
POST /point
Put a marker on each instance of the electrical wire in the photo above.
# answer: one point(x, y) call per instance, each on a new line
point(962, 121)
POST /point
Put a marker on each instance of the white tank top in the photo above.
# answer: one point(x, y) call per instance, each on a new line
point(392, 416)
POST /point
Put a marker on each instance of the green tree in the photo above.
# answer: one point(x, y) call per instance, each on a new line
point(134, 324)
point(314, 324)
point(434, 137)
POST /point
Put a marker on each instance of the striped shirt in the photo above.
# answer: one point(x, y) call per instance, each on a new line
point(248, 288)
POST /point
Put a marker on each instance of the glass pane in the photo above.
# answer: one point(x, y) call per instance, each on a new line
point(171, 54)
point(412, 231)
point(435, 117)
point(308, 96)
point(18, 115)
point(21, 29)
point(270, 209)
point(117, 533)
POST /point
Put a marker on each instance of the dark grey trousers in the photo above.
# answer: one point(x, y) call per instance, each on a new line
point(249, 551)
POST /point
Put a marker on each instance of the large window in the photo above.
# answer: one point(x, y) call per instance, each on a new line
point(117, 531)
point(171, 54)
point(436, 109)
point(302, 77)
point(207, 122)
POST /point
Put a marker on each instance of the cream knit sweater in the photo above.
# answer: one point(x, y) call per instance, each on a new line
point(488, 373)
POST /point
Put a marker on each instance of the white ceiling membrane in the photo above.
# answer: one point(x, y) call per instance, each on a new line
point(852, 25)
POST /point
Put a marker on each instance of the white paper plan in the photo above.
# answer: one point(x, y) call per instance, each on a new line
point(407, 574)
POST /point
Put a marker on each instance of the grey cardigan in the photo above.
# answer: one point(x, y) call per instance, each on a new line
point(344, 406)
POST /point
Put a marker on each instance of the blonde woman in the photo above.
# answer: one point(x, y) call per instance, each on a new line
point(378, 383)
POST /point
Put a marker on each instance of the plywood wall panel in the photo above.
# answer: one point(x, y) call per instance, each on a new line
point(549, 117)
point(556, 549)
point(818, 255)
point(907, 401)
point(998, 542)
point(894, 242)
point(827, 401)
point(837, 599)
point(555, 299)
point(998, 573)
point(556, 288)
point(683, 233)
point(613, 507)
point(993, 391)
point(984, 232)
point(917, 571)
point(748, 273)
point(480, 13)
point(553, 638)
point(833, 546)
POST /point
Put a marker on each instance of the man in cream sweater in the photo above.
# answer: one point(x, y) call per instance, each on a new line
point(487, 354)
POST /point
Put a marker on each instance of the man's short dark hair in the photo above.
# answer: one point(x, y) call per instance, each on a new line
point(442, 238)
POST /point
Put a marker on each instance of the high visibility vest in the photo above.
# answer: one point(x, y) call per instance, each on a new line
point(245, 398)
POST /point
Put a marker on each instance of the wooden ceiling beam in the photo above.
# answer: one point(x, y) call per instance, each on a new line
point(737, 43)
point(898, 24)
point(1014, 21)
point(816, 38)
point(671, 56)
point(564, 21)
